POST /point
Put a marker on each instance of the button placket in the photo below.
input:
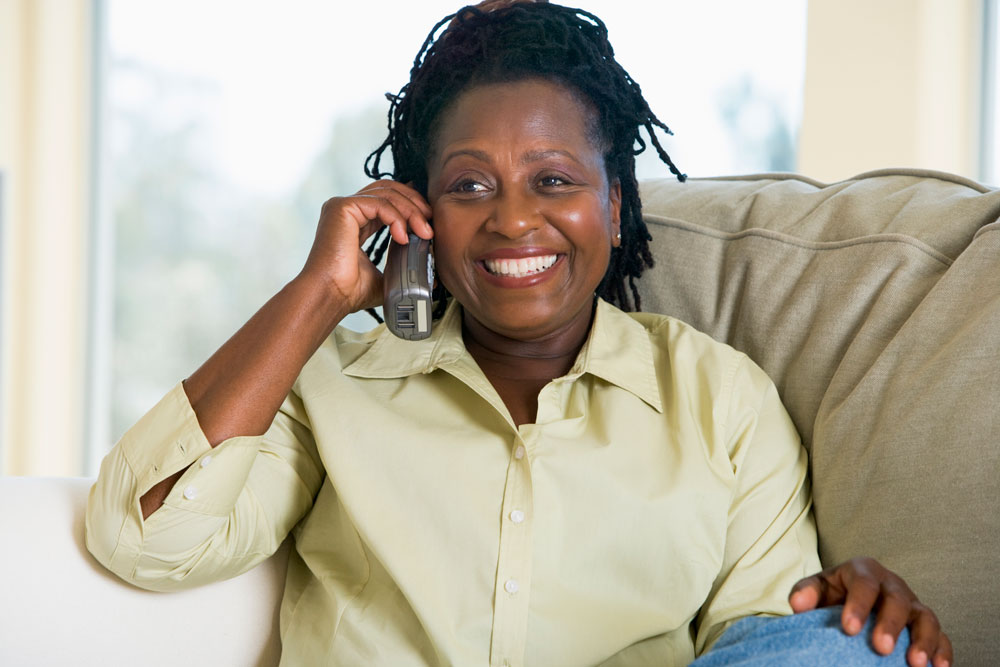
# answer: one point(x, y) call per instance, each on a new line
point(510, 612)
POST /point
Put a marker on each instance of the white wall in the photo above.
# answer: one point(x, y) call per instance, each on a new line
point(891, 83)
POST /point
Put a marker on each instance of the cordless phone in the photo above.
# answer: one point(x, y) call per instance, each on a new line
point(408, 286)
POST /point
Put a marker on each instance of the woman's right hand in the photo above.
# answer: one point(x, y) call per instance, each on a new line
point(337, 260)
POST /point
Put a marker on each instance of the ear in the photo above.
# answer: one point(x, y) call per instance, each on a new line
point(615, 201)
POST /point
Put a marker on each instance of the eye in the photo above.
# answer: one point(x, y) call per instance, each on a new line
point(468, 186)
point(551, 181)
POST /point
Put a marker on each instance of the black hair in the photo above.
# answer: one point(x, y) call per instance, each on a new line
point(517, 41)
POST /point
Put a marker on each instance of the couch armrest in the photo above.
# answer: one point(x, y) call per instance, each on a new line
point(61, 607)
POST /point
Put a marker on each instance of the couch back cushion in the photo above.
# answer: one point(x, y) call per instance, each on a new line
point(874, 304)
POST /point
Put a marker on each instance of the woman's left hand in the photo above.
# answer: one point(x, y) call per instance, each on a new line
point(861, 585)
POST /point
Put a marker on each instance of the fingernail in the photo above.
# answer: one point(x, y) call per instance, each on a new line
point(887, 643)
point(853, 625)
point(919, 659)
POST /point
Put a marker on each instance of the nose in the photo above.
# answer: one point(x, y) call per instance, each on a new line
point(514, 214)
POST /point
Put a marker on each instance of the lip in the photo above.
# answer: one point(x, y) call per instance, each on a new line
point(512, 282)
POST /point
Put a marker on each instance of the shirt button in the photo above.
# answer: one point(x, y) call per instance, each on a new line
point(517, 516)
point(511, 586)
point(519, 452)
point(205, 461)
point(190, 493)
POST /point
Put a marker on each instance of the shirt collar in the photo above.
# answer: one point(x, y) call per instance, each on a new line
point(618, 350)
point(393, 357)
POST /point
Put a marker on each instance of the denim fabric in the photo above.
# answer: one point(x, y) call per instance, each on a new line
point(812, 638)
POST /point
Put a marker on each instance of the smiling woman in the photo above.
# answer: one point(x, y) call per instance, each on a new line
point(546, 479)
point(525, 220)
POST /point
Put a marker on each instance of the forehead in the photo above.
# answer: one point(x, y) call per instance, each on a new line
point(531, 110)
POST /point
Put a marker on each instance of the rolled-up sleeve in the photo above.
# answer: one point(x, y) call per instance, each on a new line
point(771, 536)
point(231, 509)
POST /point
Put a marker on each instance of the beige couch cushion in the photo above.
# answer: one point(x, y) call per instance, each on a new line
point(874, 304)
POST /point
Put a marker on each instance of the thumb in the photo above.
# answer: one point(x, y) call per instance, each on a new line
point(805, 595)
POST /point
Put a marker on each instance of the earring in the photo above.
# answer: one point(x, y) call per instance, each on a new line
point(618, 236)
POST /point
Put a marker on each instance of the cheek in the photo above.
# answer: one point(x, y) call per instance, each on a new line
point(591, 227)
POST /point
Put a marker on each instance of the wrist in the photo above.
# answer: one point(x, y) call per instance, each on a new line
point(316, 296)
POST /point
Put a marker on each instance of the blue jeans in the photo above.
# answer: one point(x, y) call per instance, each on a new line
point(812, 638)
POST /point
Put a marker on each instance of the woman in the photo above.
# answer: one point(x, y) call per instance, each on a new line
point(546, 480)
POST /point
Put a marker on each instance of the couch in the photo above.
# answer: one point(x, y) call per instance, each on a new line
point(874, 304)
point(58, 606)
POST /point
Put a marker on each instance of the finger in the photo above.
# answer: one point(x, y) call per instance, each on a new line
point(405, 191)
point(807, 593)
point(392, 210)
point(925, 636)
point(416, 213)
point(371, 212)
point(414, 195)
point(944, 656)
point(828, 587)
point(862, 593)
point(405, 196)
point(895, 612)
point(420, 225)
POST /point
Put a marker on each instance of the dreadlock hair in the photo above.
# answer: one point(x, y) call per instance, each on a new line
point(512, 42)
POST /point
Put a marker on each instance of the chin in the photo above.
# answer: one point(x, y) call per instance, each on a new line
point(525, 321)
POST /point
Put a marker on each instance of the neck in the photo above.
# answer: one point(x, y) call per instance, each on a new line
point(544, 358)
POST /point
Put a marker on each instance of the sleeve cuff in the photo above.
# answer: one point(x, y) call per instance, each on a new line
point(169, 438)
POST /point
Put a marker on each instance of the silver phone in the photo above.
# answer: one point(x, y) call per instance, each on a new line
point(408, 287)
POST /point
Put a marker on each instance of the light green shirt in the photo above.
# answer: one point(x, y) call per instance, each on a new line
point(660, 494)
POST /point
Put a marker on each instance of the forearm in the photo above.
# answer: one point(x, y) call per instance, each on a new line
point(240, 388)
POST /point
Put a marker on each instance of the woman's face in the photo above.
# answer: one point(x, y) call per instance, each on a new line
point(524, 217)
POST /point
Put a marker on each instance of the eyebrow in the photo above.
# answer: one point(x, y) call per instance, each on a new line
point(527, 158)
point(537, 156)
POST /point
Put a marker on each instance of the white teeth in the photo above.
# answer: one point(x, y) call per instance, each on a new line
point(518, 268)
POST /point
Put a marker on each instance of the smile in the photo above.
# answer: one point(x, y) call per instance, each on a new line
point(519, 268)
